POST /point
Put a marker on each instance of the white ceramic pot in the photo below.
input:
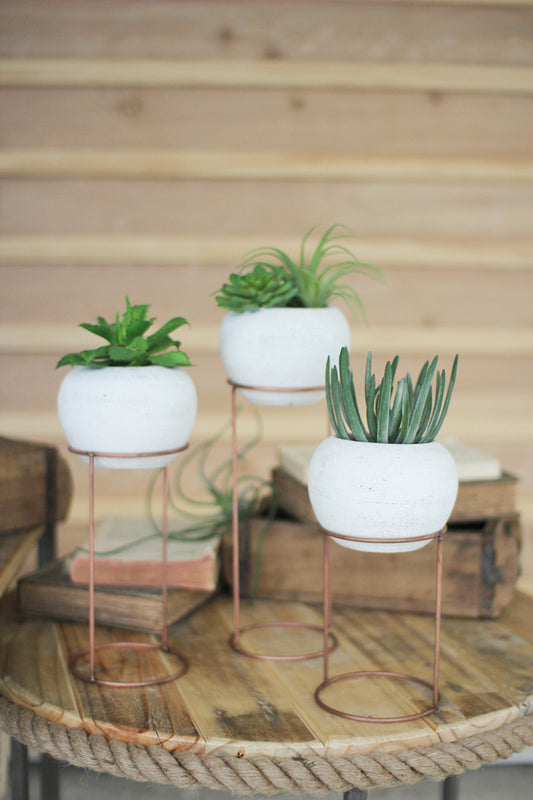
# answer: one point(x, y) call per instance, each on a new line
point(282, 348)
point(382, 491)
point(127, 410)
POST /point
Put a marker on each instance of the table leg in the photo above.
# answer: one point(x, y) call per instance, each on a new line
point(18, 771)
point(355, 794)
point(450, 788)
point(49, 778)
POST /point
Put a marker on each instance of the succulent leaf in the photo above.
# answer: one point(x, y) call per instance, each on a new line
point(127, 343)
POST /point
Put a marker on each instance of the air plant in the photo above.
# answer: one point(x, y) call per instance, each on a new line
point(408, 413)
point(315, 278)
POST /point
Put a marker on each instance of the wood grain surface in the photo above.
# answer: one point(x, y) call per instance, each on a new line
point(228, 703)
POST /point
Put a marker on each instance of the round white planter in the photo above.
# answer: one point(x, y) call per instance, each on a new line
point(127, 410)
point(381, 491)
point(282, 348)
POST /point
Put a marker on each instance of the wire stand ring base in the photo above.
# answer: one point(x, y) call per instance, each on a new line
point(235, 642)
point(374, 674)
point(125, 646)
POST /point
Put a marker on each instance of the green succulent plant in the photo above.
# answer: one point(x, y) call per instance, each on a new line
point(312, 280)
point(261, 287)
point(408, 413)
point(127, 345)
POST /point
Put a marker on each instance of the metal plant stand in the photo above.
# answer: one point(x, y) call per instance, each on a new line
point(138, 647)
point(238, 631)
point(329, 680)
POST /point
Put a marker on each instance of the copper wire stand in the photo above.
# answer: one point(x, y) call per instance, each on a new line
point(238, 631)
point(328, 681)
point(125, 646)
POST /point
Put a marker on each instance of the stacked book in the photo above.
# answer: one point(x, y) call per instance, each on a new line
point(128, 576)
point(481, 547)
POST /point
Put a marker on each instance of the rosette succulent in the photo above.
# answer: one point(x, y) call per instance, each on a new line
point(264, 286)
point(127, 343)
point(408, 413)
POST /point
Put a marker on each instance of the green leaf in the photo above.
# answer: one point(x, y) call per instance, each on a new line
point(337, 404)
point(451, 385)
point(329, 402)
point(348, 398)
point(174, 358)
point(383, 407)
point(422, 390)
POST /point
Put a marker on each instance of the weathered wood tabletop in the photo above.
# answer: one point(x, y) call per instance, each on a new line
point(230, 704)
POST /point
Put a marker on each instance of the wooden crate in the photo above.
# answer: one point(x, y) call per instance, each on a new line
point(479, 572)
point(35, 485)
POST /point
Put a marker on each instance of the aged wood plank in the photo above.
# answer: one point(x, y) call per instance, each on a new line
point(14, 550)
point(308, 121)
point(492, 648)
point(252, 166)
point(467, 689)
point(151, 716)
point(300, 679)
point(41, 681)
point(91, 250)
point(399, 76)
point(234, 701)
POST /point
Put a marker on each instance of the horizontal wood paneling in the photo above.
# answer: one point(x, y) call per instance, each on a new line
point(452, 211)
point(318, 121)
point(234, 30)
point(270, 166)
point(399, 76)
point(411, 296)
point(513, 255)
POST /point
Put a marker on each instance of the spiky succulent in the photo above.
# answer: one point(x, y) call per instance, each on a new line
point(264, 286)
point(403, 414)
point(311, 281)
point(127, 344)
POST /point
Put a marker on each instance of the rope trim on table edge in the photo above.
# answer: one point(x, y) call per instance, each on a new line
point(259, 774)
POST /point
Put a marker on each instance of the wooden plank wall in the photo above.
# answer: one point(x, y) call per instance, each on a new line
point(147, 146)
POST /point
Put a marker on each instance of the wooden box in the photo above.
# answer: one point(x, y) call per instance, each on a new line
point(480, 568)
point(35, 485)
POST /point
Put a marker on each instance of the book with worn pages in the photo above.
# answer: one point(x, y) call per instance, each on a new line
point(126, 554)
point(49, 592)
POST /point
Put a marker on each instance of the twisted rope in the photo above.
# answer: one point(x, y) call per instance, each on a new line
point(259, 774)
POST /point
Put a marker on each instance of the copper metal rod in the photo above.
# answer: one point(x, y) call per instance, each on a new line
point(91, 563)
point(438, 613)
point(164, 582)
point(327, 603)
point(235, 520)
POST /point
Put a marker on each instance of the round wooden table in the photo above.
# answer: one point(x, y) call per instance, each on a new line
point(253, 726)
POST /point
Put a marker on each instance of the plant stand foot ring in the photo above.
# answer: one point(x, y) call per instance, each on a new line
point(374, 674)
point(236, 645)
point(124, 647)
